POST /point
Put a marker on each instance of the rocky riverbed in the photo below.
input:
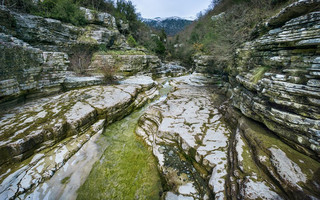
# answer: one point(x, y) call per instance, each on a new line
point(202, 147)
point(208, 150)
point(46, 133)
point(252, 133)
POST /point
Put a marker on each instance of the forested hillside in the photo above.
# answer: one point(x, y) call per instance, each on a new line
point(171, 25)
point(222, 29)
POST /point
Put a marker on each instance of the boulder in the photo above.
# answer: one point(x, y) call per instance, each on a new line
point(100, 18)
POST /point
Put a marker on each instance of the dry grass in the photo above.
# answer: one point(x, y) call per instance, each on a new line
point(80, 58)
point(109, 71)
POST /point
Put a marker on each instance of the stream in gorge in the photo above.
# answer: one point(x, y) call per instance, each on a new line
point(115, 164)
point(188, 143)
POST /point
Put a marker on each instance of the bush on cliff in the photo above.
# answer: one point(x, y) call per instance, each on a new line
point(64, 10)
point(80, 58)
point(131, 41)
point(22, 5)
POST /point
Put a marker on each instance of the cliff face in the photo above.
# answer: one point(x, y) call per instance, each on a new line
point(39, 56)
point(25, 69)
point(54, 35)
point(278, 77)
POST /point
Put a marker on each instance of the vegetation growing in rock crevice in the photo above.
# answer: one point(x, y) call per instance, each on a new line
point(80, 58)
point(258, 73)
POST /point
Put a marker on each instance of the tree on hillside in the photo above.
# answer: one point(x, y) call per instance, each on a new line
point(101, 5)
point(23, 5)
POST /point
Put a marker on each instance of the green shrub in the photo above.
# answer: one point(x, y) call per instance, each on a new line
point(131, 41)
point(22, 5)
point(64, 10)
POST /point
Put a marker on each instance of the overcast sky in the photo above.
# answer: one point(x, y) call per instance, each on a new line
point(170, 8)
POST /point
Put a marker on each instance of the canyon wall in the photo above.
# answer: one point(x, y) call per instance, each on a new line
point(41, 56)
point(277, 77)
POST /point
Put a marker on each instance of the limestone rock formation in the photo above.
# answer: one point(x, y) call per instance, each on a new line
point(36, 53)
point(25, 69)
point(125, 64)
point(99, 18)
point(203, 62)
point(169, 69)
point(51, 130)
point(208, 150)
point(54, 35)
point(278, 78)
point(189, 139)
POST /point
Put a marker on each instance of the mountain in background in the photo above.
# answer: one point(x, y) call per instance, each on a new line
point(171, 25)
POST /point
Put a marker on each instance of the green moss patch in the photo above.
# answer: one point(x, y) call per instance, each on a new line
point(259, 73)
point(126, 170)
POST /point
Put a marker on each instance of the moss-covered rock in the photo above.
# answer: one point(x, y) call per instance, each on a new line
point(58, 127)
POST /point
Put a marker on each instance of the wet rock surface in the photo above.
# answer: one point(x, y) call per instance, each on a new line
point(51, 130)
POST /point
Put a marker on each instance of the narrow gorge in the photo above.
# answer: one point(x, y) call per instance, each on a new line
point(86, 115)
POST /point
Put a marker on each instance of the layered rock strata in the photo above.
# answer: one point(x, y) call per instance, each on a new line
point(189, 139)
point(36, 53)
point(51, 130)
point(208, 150)
point(124, 65)
point(171, 69)
point(25, 69)
point(203, 63)
point(278, 78)
point(54, 35)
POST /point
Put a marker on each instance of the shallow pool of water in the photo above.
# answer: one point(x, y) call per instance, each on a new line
point(126, 170)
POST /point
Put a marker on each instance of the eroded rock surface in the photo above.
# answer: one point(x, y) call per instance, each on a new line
point(266, 167)
point(277, 77)
point(51, 130)
point(54, 35)
point(207, 150)
point(125, 65)
point(189, 139)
